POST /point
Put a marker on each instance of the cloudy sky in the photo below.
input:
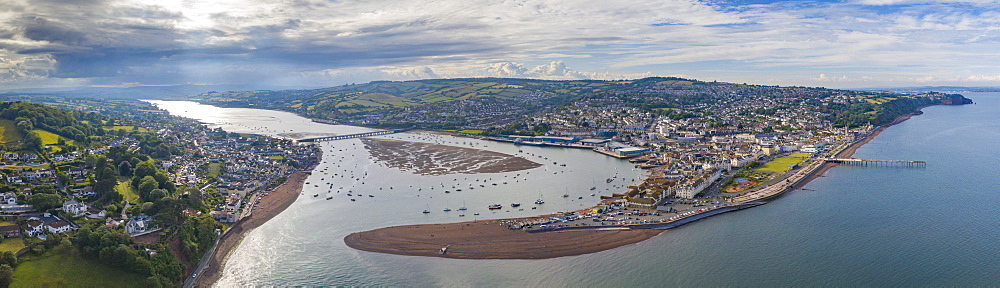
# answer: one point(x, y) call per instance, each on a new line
point(312, 43)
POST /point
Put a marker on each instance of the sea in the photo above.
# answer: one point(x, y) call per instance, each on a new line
point(937, 225)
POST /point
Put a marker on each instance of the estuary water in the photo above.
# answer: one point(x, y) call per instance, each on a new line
point(857, 226)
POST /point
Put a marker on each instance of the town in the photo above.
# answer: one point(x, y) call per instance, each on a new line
point(169, 184)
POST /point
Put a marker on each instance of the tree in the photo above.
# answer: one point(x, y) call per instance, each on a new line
point(146, 186)
point(45, 202)
point(6, 275)
point(125, 168)
point(8, 258)
point(33, 141)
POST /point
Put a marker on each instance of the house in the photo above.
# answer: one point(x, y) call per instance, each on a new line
point(35, 228)
point(10, 231)
point(74, 208)
point(112, 223)
point(8, 198)
point(60, 226)
point(13, 179)
point(138, 225)
point(84, 192)
point(77, 173)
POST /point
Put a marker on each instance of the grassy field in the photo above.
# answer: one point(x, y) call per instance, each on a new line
point(779, 165)
point(12, 244)
point(8, 132)
point(800, 155)
point(126, 190)
point(126, 128)
point(63, 267)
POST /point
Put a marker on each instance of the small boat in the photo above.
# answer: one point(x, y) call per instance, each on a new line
point(477, 214)
point(515, 204)
point(565, 195)
point(330, 197)
point(315, 195)
point(495, 207)
point(447, 209)
point(425, 211)
point(371, 196)
point(461, 215)
point(539, 202)
point(352, 199)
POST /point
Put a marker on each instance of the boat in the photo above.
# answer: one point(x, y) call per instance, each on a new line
point(447, 209)
point(426, 211)
point(463, 207)
point(515, 204)
point(565, 195)
point(329, 197)
point(315, 195)
point(495, 206)
point(539, 201)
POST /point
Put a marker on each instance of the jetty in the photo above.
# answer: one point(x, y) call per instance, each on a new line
point(351, 136)
point(870, 162)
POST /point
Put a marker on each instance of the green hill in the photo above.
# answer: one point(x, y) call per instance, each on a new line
point(481, 103)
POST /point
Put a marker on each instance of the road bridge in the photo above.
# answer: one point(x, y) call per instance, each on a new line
point(351, 136)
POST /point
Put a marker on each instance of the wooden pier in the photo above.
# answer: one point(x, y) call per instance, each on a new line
point(883, 163)
point(352, 136)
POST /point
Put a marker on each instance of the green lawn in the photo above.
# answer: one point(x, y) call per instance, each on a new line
point(63, 267)
point(215, 169)
point(12, 244)
point(779, 165)
point(126, 190)
point(8, 132)
point(126, 128)
point(800, 155)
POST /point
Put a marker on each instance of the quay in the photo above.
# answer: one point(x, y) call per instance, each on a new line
point(351, 136)
point(869, 162)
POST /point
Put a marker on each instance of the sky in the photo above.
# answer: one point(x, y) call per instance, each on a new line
point(319, 43)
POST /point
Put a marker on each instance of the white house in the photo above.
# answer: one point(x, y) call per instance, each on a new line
point(8, 198)
point(60, 227)
point(76, 209)
point(34, 227)
point(139, 225)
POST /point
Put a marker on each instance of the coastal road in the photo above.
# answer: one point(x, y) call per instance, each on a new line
point(189, 282)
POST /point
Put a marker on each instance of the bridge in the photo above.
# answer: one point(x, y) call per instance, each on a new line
point(352, 136)
point(869, 162)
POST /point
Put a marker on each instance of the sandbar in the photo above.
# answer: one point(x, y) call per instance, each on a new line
point(434, 159)
point(490, 239)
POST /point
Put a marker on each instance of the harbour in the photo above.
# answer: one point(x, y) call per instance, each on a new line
point(855, 215)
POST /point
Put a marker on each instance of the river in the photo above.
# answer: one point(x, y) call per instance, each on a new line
point(857, 226)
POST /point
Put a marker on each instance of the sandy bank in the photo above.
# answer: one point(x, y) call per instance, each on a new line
point(489, 239)
point(435, 159)
point(271, 205)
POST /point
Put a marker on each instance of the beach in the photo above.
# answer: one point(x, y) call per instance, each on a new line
point(270, 205)
point(490, 239)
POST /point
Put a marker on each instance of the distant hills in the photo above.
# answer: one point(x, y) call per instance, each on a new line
point(445, 103)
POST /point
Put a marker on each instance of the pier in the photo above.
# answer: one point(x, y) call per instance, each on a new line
point(869, 162)
point(352, 136)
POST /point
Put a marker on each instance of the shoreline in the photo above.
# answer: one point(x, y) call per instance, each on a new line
point(474, 240)
point(271, 205)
